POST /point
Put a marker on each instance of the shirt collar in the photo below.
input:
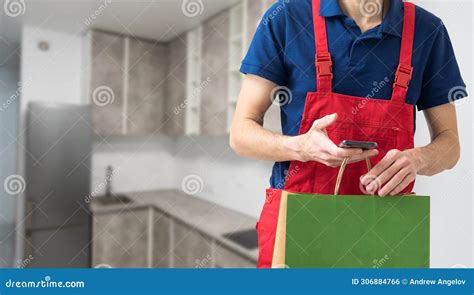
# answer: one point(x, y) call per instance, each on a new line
point(392, 24)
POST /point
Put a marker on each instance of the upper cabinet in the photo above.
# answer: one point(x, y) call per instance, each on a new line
point(215, 63)
point(147, 67)
point(106, 82)
point(186, 86)
point(176, 88)
point(127, 84)
point(193, 82)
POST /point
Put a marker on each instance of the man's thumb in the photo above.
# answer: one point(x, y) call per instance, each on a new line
point(324, 122)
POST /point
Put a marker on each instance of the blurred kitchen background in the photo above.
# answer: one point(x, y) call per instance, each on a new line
point(114, 136)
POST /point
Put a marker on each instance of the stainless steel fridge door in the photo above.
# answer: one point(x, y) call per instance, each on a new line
point(58, 151)
point(58, 248)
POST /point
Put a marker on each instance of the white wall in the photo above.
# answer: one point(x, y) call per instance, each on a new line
point(55, 75)
point(139, 164)
point(452, 191)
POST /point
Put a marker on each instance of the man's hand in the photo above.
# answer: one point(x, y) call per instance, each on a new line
point(316, 146)
point(393, 173)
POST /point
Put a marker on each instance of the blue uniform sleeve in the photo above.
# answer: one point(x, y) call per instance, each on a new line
point(442, 81)
point(265, 57)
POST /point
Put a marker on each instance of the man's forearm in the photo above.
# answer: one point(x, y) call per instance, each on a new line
point(250, 139)
point(442, 154)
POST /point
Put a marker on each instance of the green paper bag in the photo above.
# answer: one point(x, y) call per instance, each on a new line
point(321, 231)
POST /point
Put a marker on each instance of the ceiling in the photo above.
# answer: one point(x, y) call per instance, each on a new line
point(159, 20)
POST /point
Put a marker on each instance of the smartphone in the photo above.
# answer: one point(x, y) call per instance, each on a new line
point(354, 144)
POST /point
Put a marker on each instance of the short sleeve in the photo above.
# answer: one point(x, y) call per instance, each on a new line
point(265, 57)
point(442, 81)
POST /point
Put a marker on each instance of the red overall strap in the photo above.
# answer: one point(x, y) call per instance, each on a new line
point(323, 57)
point(405, 70)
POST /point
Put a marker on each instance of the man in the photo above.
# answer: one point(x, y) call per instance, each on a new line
point(338, 94)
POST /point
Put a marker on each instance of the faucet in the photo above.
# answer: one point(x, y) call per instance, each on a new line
point(109, 172)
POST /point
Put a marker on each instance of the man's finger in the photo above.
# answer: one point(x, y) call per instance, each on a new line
point(406, 182)
point(384, 164)
point(324, 122)
point(386, 175)
point(394, 182)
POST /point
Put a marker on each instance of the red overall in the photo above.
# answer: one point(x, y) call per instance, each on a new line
point(390, 123)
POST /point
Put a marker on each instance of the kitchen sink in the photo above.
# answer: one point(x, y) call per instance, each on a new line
point(246, 238)
point(113, 199)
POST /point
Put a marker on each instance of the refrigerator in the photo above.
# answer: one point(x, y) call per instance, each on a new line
point(57, 176)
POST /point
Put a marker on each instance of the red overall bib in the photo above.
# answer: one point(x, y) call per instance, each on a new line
point(390, 123)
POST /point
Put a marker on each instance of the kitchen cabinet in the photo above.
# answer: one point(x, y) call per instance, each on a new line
point(184, 84)
point(106, 82)
point(225, 258)
point(121, 239)
point(175, 102)
point(215, 63)
point(149, 238)
point(161, 226)
point(194, 84)
point(191, 248)
point(127, 84)
point(146, 87)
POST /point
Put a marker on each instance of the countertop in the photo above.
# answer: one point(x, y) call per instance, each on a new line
point(209, 218)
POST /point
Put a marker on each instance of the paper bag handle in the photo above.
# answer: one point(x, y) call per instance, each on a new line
point(343, 169)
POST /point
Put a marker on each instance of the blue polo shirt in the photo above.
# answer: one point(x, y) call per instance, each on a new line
point(283, 49)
